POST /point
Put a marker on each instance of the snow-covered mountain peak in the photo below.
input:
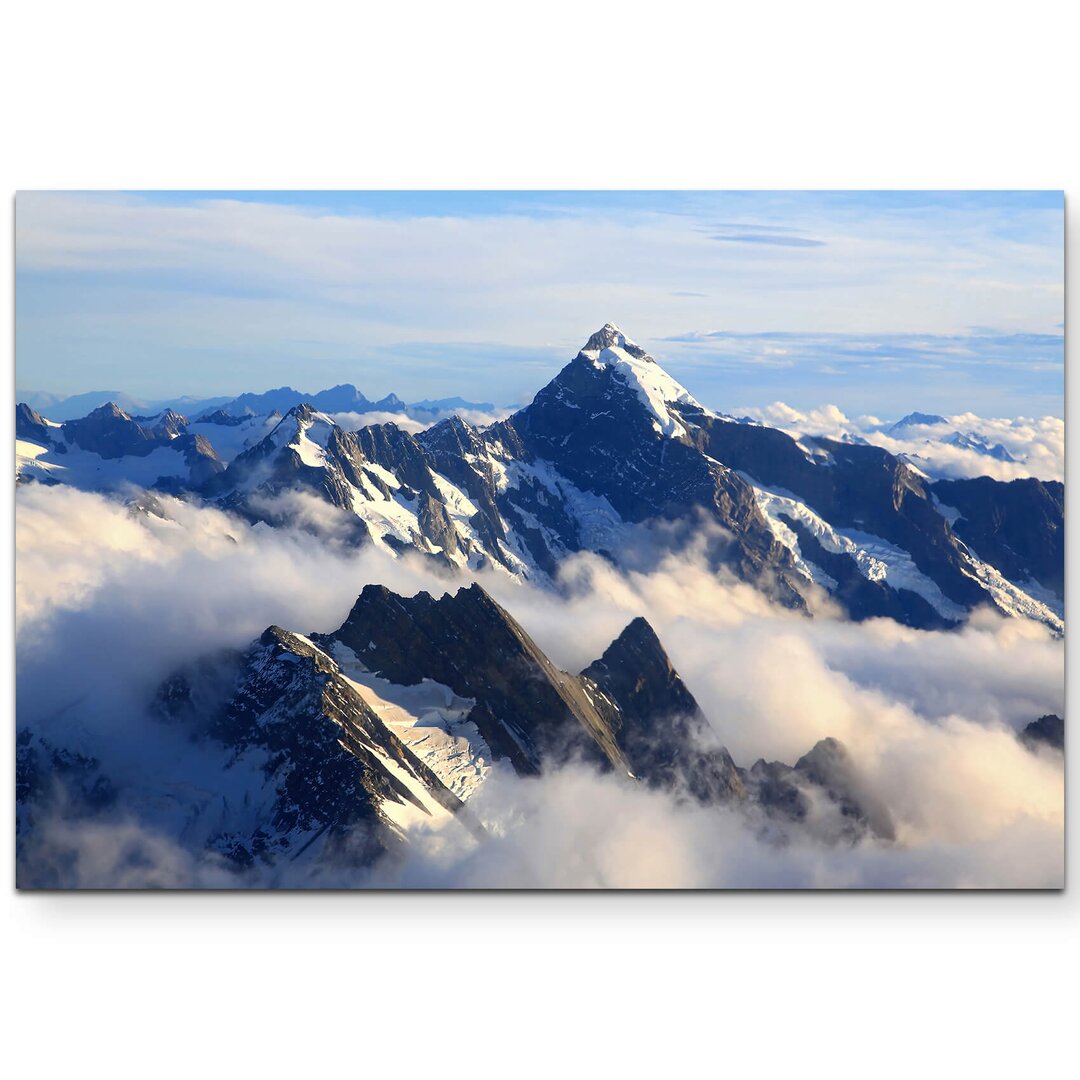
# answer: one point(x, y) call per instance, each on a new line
point(306, 430)
point(306, 415)
point(610, 347)
point(608, 336)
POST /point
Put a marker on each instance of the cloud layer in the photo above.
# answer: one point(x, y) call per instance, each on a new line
point(1037, 444)
point(109, 603)
point(419, 421)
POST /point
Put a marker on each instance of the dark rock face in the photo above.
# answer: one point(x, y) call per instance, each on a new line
point(829, 766)
point(826, 771)
point(1048, 730)
point(271, 467)
point(391, 448)
point(629, 710)
point(637, 674)
point(526, 709)
point(168, 425)
point(287, 705)
point(274, 467)
point(31, 425)
point(853, 487)
point(656, 720)
point(591, 425)
point(111, 433)
point(46, 773)
point(1018, 527)
point(200, 456)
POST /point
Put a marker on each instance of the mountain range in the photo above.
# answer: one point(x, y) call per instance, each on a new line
point(609, 449)
point(313, 754)
point(343, 398)
point(916, 424)
point(310, 752)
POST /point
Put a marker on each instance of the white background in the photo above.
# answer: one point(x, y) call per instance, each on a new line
point(256, 95)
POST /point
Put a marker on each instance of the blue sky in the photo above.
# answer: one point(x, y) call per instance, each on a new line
point(879, 302)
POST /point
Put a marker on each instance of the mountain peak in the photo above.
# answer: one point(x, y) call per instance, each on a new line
point(609, 336)
point(304, 411)
point(637, 657)
point(610, 348)
point(109, 409)
point(918, 419)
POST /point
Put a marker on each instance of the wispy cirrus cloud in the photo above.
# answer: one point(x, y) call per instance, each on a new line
point(982, 370)
point(767, 238)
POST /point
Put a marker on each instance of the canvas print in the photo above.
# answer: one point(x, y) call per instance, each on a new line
point(539, 540)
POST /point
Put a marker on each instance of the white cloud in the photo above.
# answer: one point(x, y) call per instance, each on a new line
point(574, 829)
point(421, 421)
point(108, 604)
point(1036, 443)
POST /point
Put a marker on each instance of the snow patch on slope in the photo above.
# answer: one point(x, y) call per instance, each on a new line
point(1011, 598)
point(385, 517)
point(89, 471)
point(229, 440)
point(422, 809)
point(875, 557)
point(599, 524)
point(430, 719)
point(310, 438)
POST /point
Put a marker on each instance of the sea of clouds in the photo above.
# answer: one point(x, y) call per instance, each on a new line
point(110, 602)
point(1036, 443)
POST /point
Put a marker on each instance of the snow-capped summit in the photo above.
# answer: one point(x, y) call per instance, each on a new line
point(610, 347)
point(305, 430)
point(610, 336)
point(916, 419)
point(979, 445)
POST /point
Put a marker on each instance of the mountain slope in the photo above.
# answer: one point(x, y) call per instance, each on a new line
point(657, 722)
point(1018, 526)
point(613, 443)
point(616, 425)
